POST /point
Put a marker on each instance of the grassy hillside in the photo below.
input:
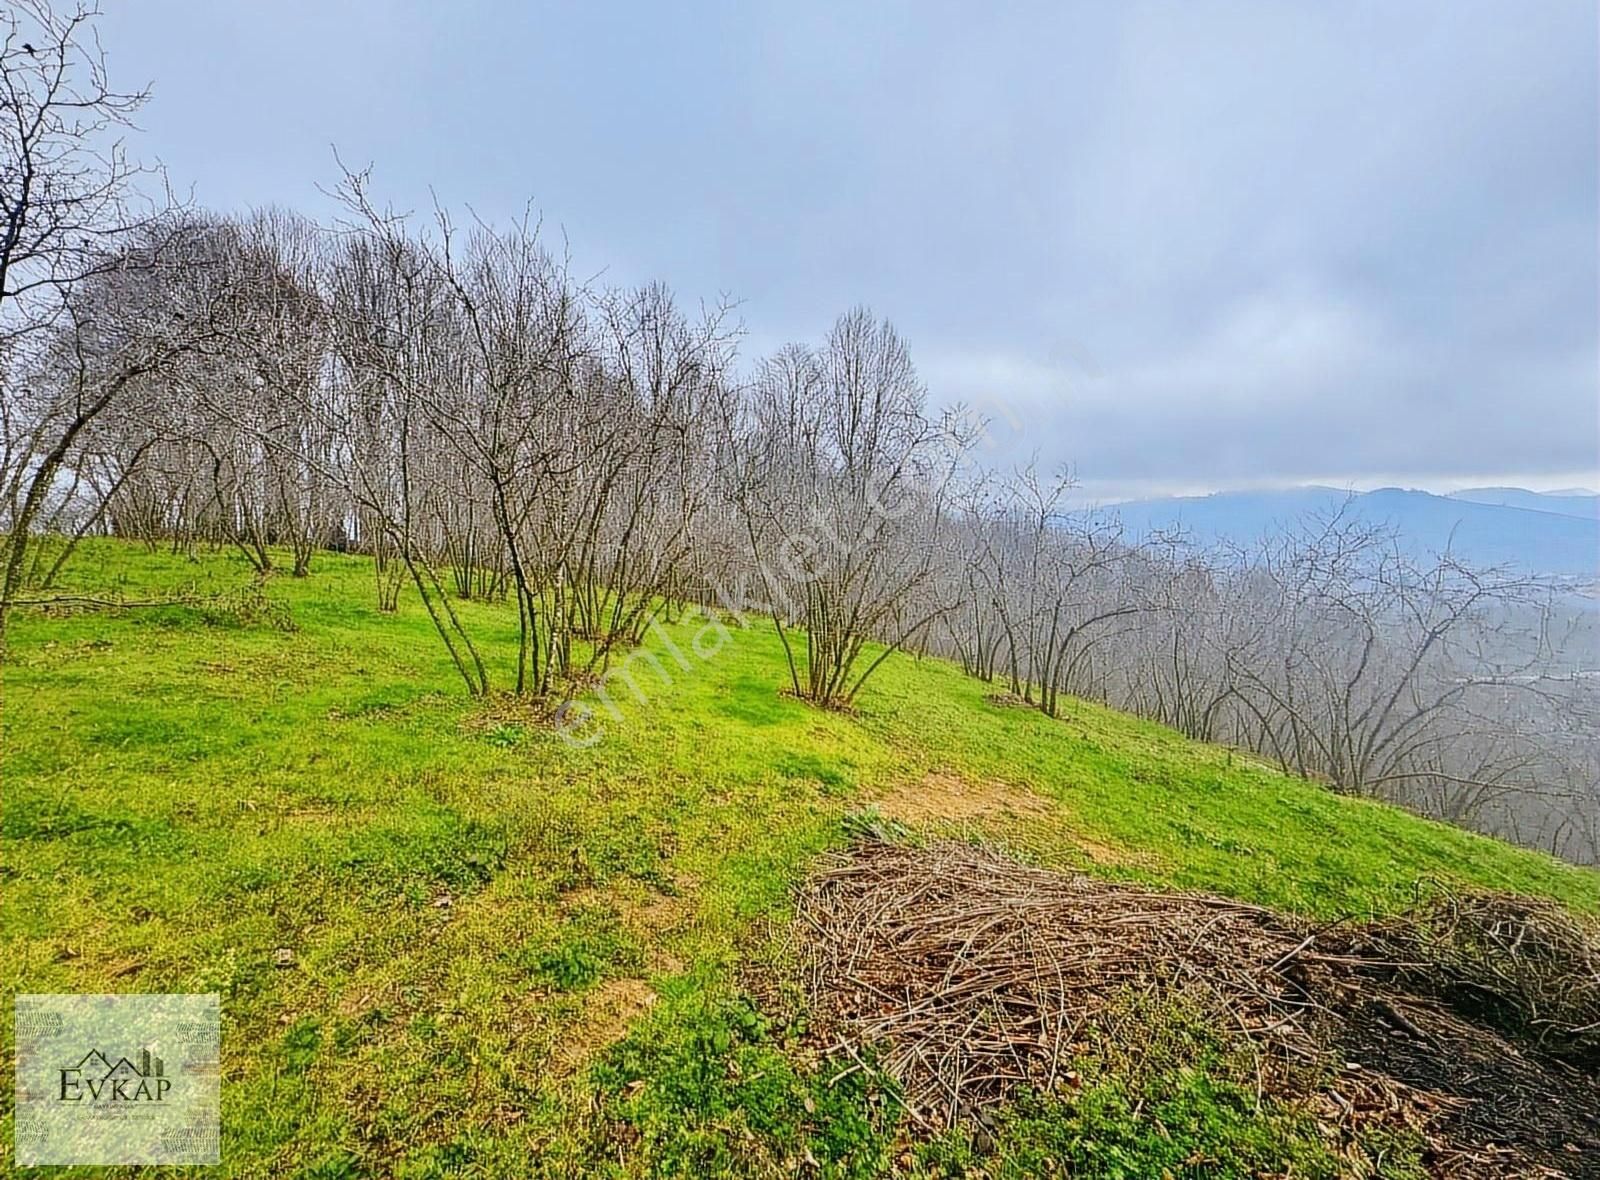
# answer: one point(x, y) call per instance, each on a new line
point(450, 943)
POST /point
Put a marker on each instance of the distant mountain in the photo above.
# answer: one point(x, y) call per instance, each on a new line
point(1487, 526)
point(1584, 504)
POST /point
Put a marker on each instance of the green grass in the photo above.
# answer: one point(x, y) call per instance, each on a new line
point(464, 894)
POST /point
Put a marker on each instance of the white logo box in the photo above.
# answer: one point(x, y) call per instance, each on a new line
point(118, 1079)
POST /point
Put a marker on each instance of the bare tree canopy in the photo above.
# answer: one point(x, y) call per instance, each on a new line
point(68, 189)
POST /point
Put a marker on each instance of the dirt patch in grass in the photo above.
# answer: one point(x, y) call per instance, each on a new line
point(652, 918)
point(944, 797)
point(608, 1009)
point(973, 978)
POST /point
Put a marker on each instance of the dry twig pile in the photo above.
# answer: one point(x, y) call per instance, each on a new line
point(977, 975)
point(971, 976)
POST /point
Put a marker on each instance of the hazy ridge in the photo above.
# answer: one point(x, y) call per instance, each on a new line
point(1541, 533)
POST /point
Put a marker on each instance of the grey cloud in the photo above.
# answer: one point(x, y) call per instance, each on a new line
point(1195, 244)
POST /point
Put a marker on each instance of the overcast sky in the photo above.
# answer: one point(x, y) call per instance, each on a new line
point(1181, 246)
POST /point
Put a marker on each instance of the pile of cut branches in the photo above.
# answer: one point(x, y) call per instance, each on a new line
point(976, 975)
point(967, 977)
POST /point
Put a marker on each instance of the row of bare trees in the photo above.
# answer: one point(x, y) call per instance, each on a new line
point(452, 403)
point(1329, 648)
point(450, 400)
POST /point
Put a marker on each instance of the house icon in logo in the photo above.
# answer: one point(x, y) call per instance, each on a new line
point(124, 1080)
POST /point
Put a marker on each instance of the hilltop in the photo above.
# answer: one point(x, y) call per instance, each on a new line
point(449, 942)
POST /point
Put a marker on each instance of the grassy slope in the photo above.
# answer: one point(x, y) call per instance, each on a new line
point(184, 795)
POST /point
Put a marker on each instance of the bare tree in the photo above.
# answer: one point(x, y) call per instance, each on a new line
point(842, 491)
point(69, 205)
point(116, 333)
